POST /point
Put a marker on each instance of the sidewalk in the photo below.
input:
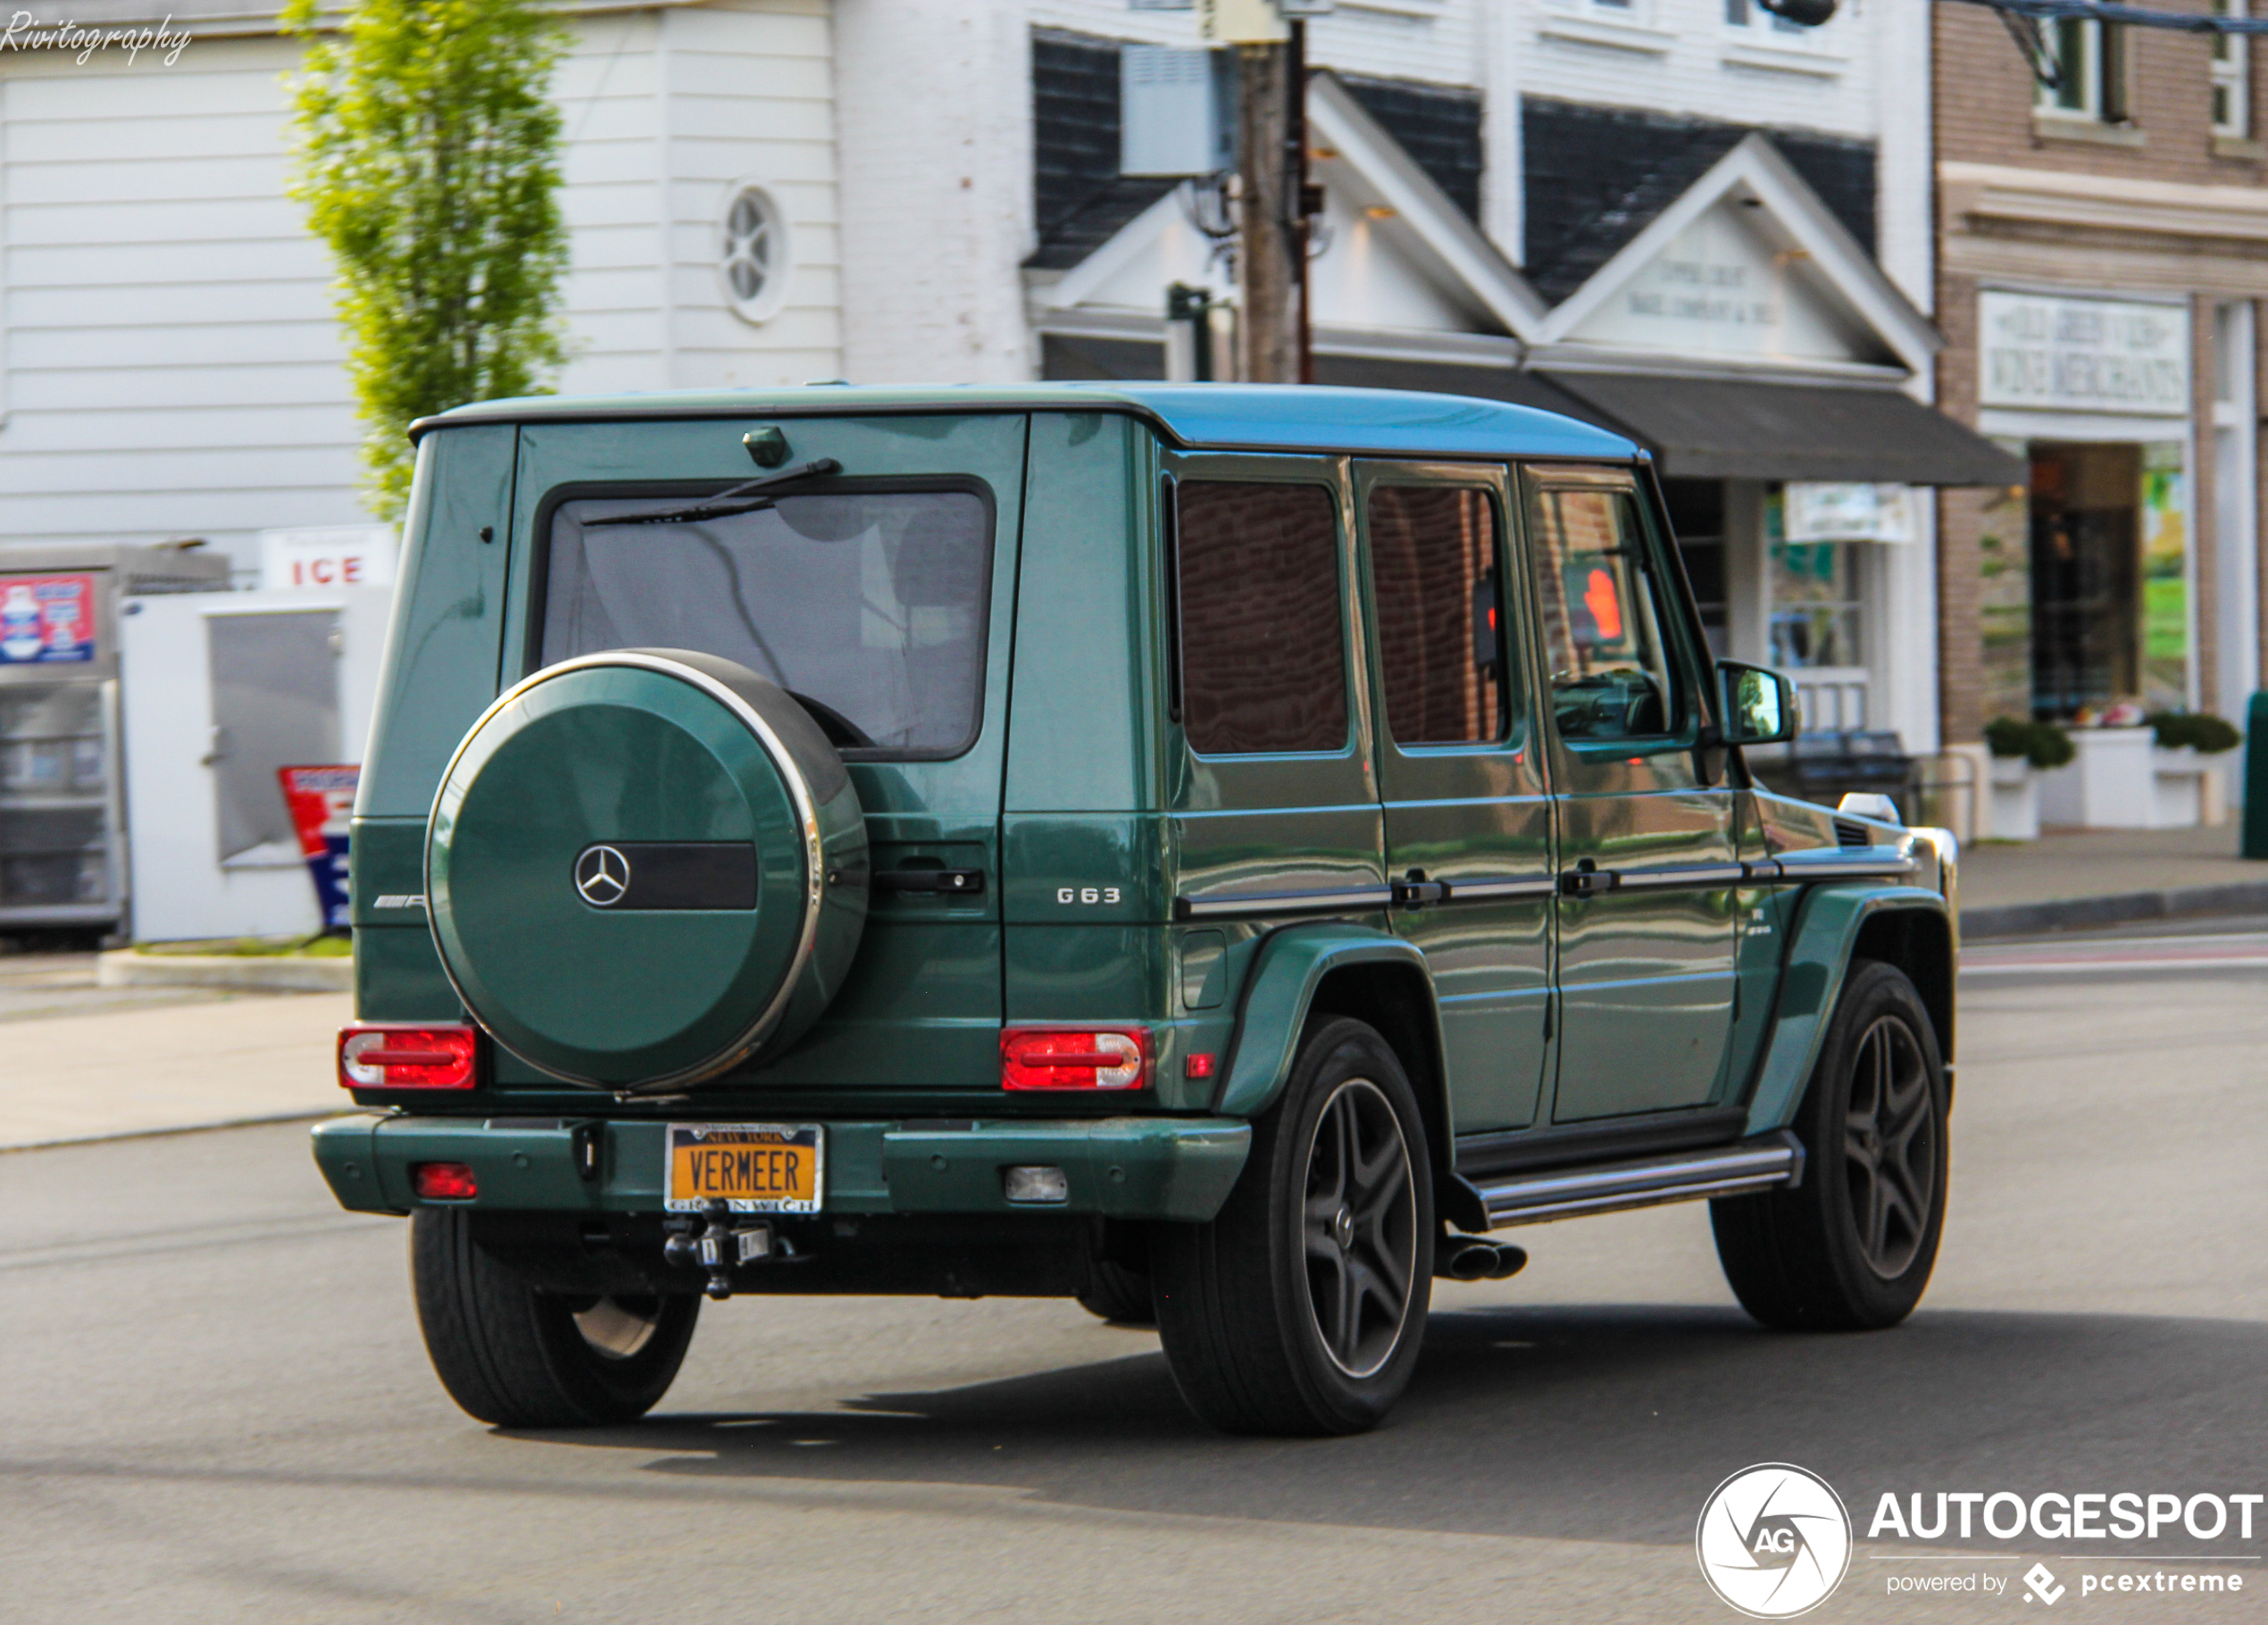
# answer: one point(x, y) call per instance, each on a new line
point(118, 1065)
point(2073, 879)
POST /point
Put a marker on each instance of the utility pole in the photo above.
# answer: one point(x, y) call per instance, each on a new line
point(1273, 199)
point(1268, 289)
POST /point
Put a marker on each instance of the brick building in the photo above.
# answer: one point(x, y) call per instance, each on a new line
point(2103, 243)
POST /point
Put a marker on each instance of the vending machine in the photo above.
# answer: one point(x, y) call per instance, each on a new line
point(63, 856)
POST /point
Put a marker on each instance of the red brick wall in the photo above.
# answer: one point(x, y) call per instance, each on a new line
point(1984, 103)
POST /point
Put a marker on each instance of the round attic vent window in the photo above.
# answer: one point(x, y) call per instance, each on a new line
point(753, 263)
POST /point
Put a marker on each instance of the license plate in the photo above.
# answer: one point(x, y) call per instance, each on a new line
point(756, 1168)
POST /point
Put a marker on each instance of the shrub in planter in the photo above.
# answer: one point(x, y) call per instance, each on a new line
point(2042, 744)
point(2204, 732)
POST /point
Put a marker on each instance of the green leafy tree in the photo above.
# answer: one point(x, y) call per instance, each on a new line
point(427, 159)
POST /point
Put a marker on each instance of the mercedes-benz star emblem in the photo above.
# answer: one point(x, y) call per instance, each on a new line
point(602, 876)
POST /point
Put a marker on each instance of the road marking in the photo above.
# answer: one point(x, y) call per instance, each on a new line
point(2080, 967)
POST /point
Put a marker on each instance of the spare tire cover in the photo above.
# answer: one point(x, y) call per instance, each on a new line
point(643, 867)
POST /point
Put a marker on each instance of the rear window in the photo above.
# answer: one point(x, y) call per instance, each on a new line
point(867, 607)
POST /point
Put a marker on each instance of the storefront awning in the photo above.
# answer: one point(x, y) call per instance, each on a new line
point(1726, 429)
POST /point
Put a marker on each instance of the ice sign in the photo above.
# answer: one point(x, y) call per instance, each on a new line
point(46, 620)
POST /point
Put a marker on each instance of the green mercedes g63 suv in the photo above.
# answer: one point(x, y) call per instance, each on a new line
point(1217, 852)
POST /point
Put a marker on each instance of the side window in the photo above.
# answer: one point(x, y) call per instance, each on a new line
point(1263, 664)
point(1612, 676)
point(1440, 634)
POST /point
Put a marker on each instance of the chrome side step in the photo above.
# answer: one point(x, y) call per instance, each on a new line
point(1683, 1176)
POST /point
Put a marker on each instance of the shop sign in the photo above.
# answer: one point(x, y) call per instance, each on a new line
point(335, 556)
point(1825, 513)
point(321, 802)
point(2039, 351)
point(1718, 287)
point(46, 620)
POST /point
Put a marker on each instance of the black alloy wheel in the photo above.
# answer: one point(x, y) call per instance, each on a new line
point(1889, 1147)
point(1300, 1308)
point(1851, 1248)
point(1361, 1226)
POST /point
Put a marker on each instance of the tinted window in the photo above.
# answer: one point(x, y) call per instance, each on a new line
point(1612, 675)
point(870, 604)
point(1433, 564)
point(1262, 662)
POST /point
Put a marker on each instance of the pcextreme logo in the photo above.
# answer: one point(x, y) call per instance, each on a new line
point(1775, 1541)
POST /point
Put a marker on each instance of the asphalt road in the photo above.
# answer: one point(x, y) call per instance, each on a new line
point(213, 1404)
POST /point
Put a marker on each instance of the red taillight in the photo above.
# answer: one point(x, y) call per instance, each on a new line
point(443, 1181)
point(381, 1056)
point(1077, 1058)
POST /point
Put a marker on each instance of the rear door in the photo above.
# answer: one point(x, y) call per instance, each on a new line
point(886, 595)
point(1468, 821)
point(1647, 851)
point(1273, 800)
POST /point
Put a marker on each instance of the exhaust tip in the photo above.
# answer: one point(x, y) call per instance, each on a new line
point(1469, 1258)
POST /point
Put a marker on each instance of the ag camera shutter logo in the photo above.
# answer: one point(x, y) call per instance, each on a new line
point(1773, 1541)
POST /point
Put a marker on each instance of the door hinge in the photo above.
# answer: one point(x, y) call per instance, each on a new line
point(1415, 891)
point(1587, 882)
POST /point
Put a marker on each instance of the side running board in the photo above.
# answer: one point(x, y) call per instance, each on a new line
point(1681, 1176)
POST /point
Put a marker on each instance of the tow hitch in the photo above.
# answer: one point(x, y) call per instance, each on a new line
point(718, 1247)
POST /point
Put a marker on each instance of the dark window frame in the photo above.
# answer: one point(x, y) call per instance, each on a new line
point(1513, 662)
point(1658, 560)
point(531, 660)
point(1321, 473)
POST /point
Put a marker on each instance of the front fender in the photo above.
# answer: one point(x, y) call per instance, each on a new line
point(1278, 993)
point(1811, 980)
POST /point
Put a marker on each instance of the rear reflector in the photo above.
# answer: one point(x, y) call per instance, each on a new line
point(379, 1057)
point(1078, 1058)
point(443, 1181)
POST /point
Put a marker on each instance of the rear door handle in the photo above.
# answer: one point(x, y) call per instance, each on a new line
point(1587, 882)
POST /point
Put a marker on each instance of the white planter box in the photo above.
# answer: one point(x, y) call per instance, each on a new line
point(2177, 801)
point(2015, 790)
point(2110, 784)
point(2191, 788)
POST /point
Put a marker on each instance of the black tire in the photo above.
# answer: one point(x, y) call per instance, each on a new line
point(1851, 1248)
point(1110, 1291)
point(1244, 1302)
point(515, 1357)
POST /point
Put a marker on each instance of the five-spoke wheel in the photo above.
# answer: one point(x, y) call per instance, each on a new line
point(1853, 1244)
point(1361, 1226)
point(1300, 1308)
point(1891, 1146)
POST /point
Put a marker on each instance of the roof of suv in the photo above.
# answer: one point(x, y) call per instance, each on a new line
point(1269, 417)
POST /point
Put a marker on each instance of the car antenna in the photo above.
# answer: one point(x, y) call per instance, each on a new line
point(722, 505)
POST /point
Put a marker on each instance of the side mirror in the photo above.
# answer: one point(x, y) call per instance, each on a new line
point(1760, 706)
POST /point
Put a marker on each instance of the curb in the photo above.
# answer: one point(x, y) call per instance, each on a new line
point(242, 973)
point(103, 1137)
point(2119, 908)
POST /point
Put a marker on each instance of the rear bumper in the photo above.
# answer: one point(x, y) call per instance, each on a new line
point(1174, 1168)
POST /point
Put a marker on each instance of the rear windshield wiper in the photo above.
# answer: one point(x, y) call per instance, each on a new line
point(722, 505)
